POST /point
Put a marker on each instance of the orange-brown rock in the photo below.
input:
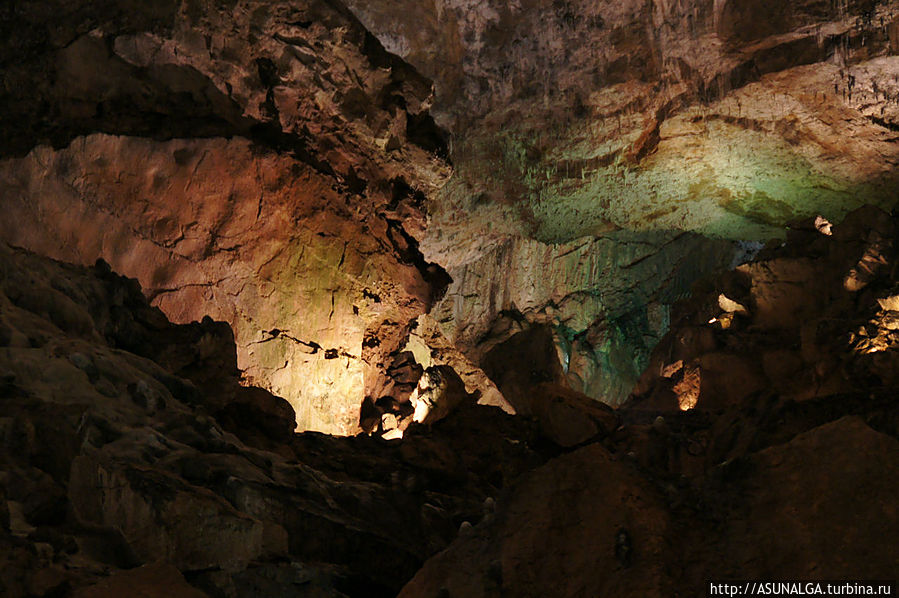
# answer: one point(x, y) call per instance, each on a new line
point(576, 120)
point(806, 333)
point(265, 165)
point(149, 581)
point(126, 440)
point(558, 535)
point(283, 167)
point(600, 524)
point(797, 512)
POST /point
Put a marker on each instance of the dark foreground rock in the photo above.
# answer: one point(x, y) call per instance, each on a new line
point(134, 462)
point(761, 444)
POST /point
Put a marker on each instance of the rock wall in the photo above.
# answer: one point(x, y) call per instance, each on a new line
point(573, 120)
point(812, 319)
point(768, 410)
point(270, 163)
point(727, 118)
point(131, 460)
point(266, 164)
point(133, 463)
point(606, 299)
point(281, 160)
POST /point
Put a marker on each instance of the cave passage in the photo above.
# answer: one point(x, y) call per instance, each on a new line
point(468, 298)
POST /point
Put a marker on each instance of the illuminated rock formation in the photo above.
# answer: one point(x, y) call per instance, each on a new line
point(279, 161)
point(728, 118)
point(572, 119)
point(285, 205)
point(816, 320)
point(743, 453)
point(126, 441)
point(462, 240)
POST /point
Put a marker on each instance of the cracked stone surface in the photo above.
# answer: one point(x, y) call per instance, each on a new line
point(256, 240)
point(265, 164)
point(531, 231)
point(577, 120)
point(606, 299)
point(290, 163)
point(727, 118)
point(133, 463)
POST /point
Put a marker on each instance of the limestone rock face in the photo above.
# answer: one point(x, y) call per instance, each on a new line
point(605, 299)
point(251, 239)
point(265, 164)
point(572, 119)
point(589, 523)
point(817, 321)
point(767, 411)
point(280, 160)
point(126, 440)
point(147, 506)
point(131, 456)
point(527, 371)
point(801, 540)
point(529, 549)
point(729, 117)
point(323, 223)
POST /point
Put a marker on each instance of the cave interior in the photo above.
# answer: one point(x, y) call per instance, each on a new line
point(450, 299)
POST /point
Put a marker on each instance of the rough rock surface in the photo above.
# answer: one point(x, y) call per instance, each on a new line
point(276, 165)
point(726, 117)
point(765, 476)
point(132, 458)
point(126, 441)
point(816, 320)
point(266, 163)
point(574, 118)
point(595, 523)
point(280, 160)
point(606, 300)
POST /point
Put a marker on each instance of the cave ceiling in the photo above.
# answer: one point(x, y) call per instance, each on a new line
point(321, 175)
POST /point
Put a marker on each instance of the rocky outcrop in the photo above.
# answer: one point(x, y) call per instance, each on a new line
point(592, 523)
point(280, 161)
point(768, 412)
point(276, 166)
point(526, 369)
point(132, 457)
point(572, 119)
point(729, 117)
point(822, 304)
point(528, 549)
point(606, 300)
point(263, 164)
